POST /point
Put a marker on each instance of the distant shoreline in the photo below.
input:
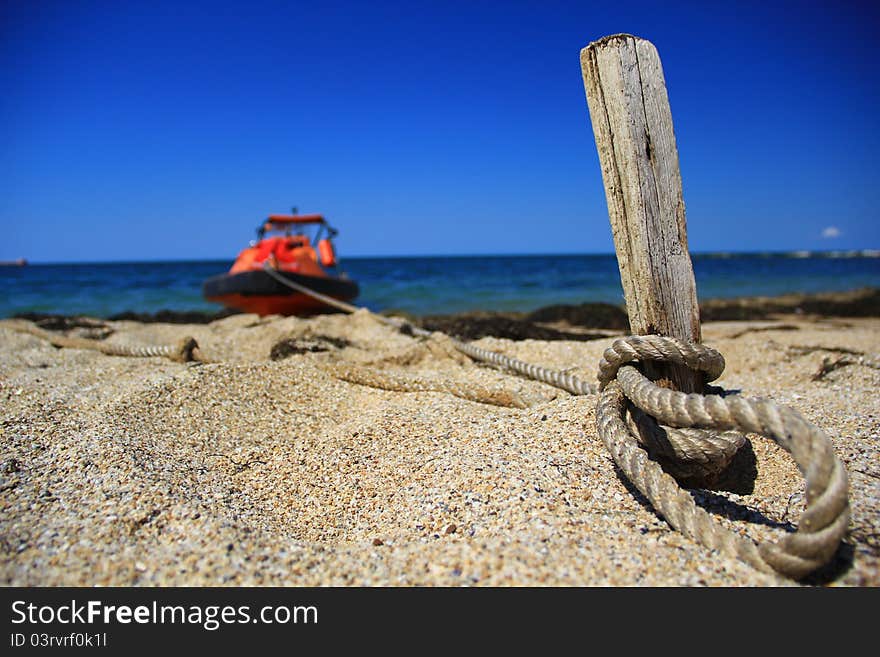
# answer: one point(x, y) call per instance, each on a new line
point(560, 321)
point(789, 253)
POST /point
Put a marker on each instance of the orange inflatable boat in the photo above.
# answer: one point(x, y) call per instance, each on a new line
point(285, 243)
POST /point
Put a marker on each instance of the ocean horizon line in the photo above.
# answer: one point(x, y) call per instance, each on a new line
point(792, 253)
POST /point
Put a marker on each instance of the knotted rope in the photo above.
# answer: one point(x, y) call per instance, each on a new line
point(826, 517)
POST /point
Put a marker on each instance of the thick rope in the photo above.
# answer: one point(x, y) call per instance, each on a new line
point(402, 383)
point(183, 351)
point(826, 517)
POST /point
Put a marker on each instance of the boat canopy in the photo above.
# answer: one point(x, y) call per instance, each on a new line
point(286, 222)
point(285, 219)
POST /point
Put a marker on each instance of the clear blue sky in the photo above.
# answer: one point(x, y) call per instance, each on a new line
point(167, 130)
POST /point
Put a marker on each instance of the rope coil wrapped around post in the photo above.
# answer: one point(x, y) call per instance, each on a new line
point(826, 517)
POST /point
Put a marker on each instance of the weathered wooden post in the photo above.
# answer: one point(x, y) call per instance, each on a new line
point(632, 122)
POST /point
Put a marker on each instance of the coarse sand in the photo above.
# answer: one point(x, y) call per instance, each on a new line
point(254, 471)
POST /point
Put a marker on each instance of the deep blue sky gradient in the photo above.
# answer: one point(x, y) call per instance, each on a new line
point(167, 130)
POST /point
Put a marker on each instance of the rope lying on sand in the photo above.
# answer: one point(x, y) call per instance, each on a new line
point(402, 383)
point(183, 351)
point(692, 454)
point(555, 378)
point(695, 433)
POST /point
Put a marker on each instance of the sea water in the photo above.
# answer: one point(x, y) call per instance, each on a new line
point(428, 285)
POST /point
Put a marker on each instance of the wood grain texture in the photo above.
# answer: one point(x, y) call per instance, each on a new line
point(632, 124)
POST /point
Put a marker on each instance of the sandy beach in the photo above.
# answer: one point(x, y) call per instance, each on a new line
point(263, 468)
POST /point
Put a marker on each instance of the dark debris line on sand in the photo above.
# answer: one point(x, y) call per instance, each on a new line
point(864, 302)
point(555, 322)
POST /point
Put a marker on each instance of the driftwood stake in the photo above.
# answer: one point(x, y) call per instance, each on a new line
point(632, 123)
